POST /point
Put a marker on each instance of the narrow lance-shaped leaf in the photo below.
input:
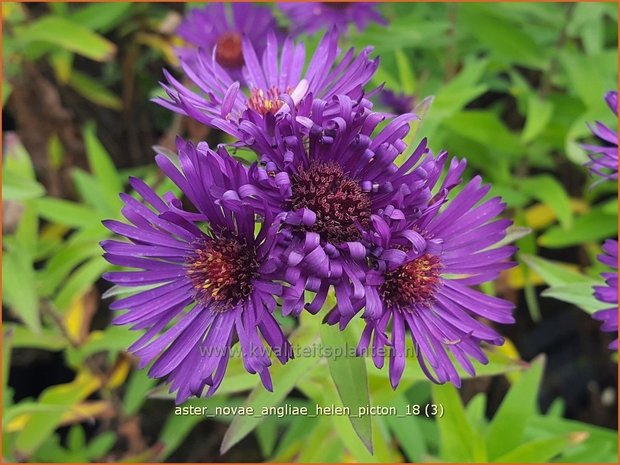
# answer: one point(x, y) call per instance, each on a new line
point(508, 426)
point(579, 294)
point(349, 375)
point(284, 377)
point(460, 442)
point(549, 191)
point(66, 34)
point(554, 273)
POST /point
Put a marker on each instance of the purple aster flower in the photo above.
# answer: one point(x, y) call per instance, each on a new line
point(609, 293)
point(604, 158)
point(310, 17)
point(423, 270)
point(329, 175)
point(398, 103)
point(210, 280)
point(269, 82)
point(219, 30)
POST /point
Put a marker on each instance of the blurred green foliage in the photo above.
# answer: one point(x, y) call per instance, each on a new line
point(513, 87)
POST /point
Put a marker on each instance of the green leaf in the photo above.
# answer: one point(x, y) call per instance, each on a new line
point(313, 448)
point(48, 339)
point(475, 411)
point(536, 451)
point(540, 425)
point(405, 72)
point(117, 290)
point(111, 340)
point(138, 386)
point(101, 16)
point(60, 398)
point(579, 294)
point(267, 436)
point(18, 180)
point(600, 445)
point(91, 193)
point(420, 110)
point(63, 262)
point(80, 281)
point(67, 212)
point(460, 442)
point(610, 207)
point(539, 114)
point(504, 38)
point(589, 86)
point(587, 23)
point(462, 89)
point(76, 439)
point(7, 349)
point(555, 273)
point(177, 426)
point(506, 431)
point(62, 63)
point(407, 431)
point(175, 430)
point(55, 152)
point(17, 159)
point(329, 397)
point(405, 32)
point(6, 91)
point(19, 288)
point(485, 128)
point(549, 191)
point(91, 90)
point(27, 232)
point(513, 234)
point(28, 407)
point(349, 375)
point(17, 187)
point(103, 168)
point(101, 445)
point(593, 452)
point(284, 377)
point(590, 227)
point(66, 34)
point(297, 434)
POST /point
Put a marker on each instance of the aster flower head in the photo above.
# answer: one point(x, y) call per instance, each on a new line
point(268, 82)
point(211, 281)
point(310, 17)
point(609, 292)
point(217, 29)
point(328, 175)
point(604, 158)
point(422, 270)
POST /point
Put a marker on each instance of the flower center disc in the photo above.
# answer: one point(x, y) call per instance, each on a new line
point(264, 102)
point(222, 271)
point(229, 52)
point(414, 282)
point(338, 201)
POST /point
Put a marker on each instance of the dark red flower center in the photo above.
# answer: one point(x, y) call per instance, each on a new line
point(338, 201)
point(414, 282)
point(229, 51)
point(222, 271)
point(269, 101)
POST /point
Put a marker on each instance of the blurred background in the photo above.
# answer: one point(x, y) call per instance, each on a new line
point(514, 85)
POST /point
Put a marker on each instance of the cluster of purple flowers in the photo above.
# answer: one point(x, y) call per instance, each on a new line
point(603, 164)
point(324, 209)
